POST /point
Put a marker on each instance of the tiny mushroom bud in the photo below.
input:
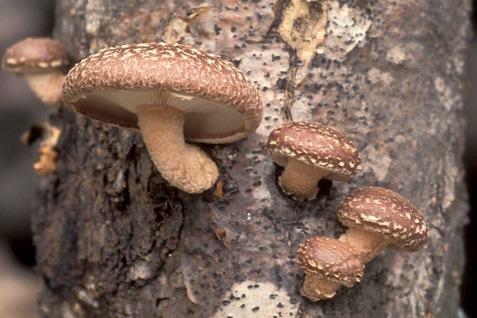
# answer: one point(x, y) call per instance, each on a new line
point(328, 264)
point(40, 61)
point(310, 152)
point(171, 93)
point(378, 217)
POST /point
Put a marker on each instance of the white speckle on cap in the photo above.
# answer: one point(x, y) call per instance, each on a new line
point(316, 145)
point(56, 63)
point(394, 217)
point(12, 61)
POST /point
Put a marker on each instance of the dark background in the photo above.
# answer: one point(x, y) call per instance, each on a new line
point(19, 110)
point(469, 299)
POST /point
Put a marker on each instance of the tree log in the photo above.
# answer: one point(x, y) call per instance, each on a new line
point(114, 240)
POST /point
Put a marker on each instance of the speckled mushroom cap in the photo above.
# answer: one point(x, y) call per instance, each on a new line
point(221, 104)
point(386, 212)
point(34, 55)
point(331, 259)
point(316, 145)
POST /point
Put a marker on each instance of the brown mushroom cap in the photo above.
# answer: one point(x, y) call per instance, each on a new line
point(330, 259)
point(34, 55)
point(382, 211)
point(316, 145)
point(221, 105)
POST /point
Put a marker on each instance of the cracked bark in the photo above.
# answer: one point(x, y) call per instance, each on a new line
point(114, 240)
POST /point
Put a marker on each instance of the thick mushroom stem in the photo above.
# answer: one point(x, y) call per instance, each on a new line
point(46, 86)
point(185, 166)
point(316, 288)
point(301, 180)
point(366, 244)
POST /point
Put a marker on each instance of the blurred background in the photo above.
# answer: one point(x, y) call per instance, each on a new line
point(20, 110)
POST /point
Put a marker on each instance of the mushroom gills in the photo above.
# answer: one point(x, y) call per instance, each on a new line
point(301, 180)
point(205, 120)
point(183, 165)
point(316, 288)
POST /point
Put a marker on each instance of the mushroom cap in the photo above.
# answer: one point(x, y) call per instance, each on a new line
point(35, 55)
point(382, 211)
point(316, 145)
point(221, 105)
point(330, 259)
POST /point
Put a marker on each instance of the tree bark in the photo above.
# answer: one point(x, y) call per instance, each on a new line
point(114, 240)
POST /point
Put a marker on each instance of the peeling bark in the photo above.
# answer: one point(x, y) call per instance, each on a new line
point(114, 240)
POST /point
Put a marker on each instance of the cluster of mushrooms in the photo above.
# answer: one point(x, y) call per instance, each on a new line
point(375, 217)
point(172, 93)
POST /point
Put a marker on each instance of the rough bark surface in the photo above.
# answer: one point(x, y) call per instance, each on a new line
point(114, 240)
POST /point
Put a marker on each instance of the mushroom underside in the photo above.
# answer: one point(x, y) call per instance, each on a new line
point(205, 120)
point(317, 288)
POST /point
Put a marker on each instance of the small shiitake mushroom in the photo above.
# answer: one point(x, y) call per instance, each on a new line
point(40, 61)
point(328, 264)
point(172, 93)
point(310, 152)
point(376, 218)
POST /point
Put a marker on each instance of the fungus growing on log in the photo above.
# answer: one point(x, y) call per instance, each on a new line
point(310, 152)
point(376, 218)
point(172, 93)
point(40, 61)
point(328, 264)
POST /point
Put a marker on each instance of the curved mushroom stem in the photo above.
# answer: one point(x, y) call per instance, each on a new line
point(301, 180)
point(316, 288)
point(185, 166)
point(366, 244)
point(46, 86)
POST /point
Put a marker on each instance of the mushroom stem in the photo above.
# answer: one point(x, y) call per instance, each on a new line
point(46, 86)
point(301, 180)
point(316, 288)
point(185, 166)
point(366, 244)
